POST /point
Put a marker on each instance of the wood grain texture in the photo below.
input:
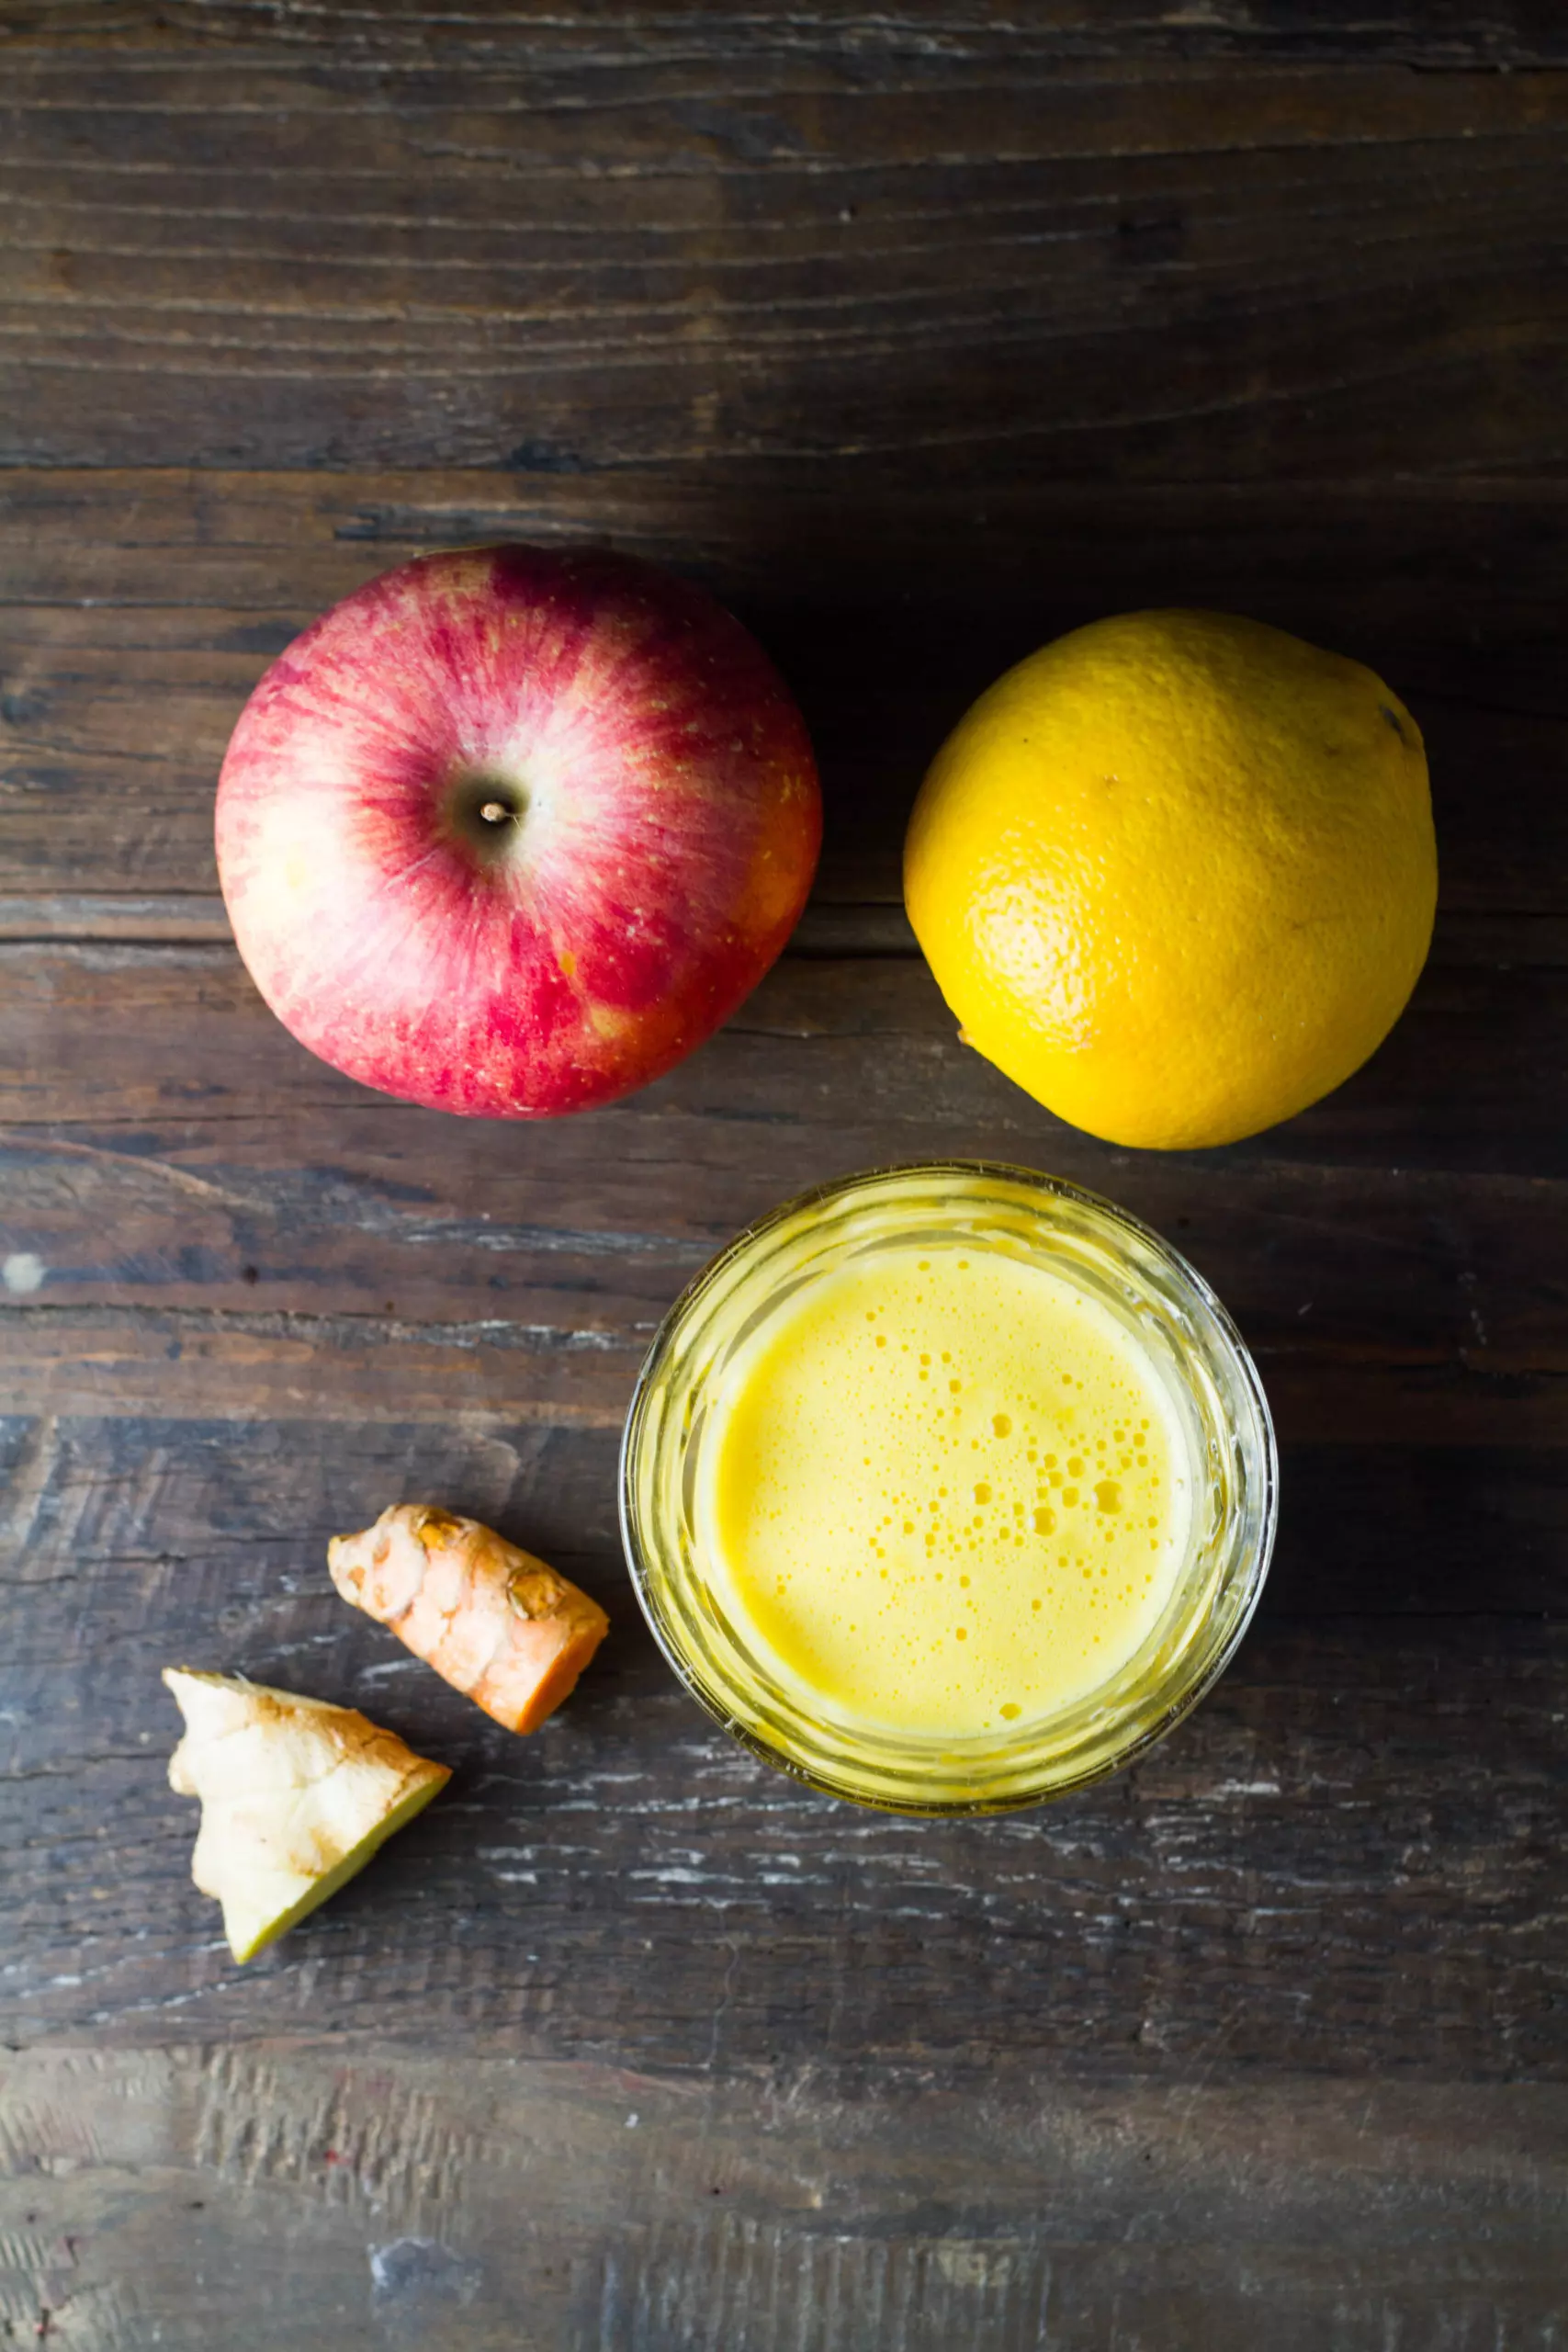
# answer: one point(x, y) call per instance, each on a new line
point(1350, 1848)
point(1161, 247)
point(455, 2207)
point(138, 608)
point(241, 1197)
point(919, 336)
point(406, 2202)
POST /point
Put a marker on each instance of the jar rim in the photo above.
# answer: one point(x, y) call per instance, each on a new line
point(1050, 1756)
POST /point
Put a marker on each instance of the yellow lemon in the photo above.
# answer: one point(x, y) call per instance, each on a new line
point(1175, 874)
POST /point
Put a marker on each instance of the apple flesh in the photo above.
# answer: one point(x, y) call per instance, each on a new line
point(510, 829)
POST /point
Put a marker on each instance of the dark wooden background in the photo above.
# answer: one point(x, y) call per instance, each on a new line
point(921, 335)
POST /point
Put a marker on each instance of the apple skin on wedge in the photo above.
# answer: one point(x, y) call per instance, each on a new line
point(296, 1797)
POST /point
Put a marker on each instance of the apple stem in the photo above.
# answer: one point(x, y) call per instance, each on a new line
point(494, 812)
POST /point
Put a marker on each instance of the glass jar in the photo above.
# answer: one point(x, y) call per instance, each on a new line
point(1181, 1329)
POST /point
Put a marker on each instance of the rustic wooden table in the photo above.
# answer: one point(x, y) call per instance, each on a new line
point(920, 335)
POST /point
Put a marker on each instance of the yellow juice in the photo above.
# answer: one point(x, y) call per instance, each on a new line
point(943, 1491)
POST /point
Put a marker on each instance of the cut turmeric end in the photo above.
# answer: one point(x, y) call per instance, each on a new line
point(494, 1622)
point(559, 1681)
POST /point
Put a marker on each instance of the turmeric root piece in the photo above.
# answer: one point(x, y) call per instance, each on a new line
point(497, 1623)
point(296, 1796)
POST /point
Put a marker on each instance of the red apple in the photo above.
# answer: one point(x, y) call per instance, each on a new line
point(510, 829)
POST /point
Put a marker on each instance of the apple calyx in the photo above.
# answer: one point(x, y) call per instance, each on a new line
point(486, 812)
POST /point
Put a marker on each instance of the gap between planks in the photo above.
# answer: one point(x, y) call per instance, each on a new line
point(181, 919)
point(872, 929)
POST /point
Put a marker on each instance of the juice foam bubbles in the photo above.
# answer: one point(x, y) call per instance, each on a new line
point(944, 1491)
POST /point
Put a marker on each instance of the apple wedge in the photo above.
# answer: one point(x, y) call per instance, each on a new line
point(296, 1796)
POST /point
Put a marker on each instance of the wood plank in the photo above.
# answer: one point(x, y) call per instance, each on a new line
point(236, 1177)
point(1371, 1530)
point(1453, 34)
point(920, 339)
point(581, 246)
point(1351, 1846)
point(137, 611)
point(366, 1369)
point(254, 2198)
